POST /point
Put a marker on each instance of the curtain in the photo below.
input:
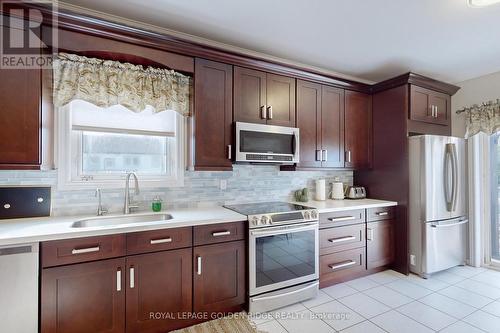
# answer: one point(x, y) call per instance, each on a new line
point(106, 83)
point(482, 118)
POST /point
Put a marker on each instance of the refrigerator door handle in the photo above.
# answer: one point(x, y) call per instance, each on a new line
point(449, 224)
point(454, 177)
point(446, 181)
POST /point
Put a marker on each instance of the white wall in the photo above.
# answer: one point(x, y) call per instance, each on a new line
point(474, 91)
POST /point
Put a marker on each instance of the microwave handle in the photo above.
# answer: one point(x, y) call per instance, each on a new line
point(294, 143)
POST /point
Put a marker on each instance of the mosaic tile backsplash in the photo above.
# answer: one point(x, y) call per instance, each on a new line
point(246, 183)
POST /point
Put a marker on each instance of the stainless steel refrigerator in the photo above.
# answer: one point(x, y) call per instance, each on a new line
point(438, 203)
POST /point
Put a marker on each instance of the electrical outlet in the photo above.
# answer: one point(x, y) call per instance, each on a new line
point(223, 184)
point(412, 260)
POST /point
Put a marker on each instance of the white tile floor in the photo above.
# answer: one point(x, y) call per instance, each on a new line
point(462, 299)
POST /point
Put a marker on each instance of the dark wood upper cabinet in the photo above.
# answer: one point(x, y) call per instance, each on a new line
point(263, 98)
point(358, 130)
point(219, 276)
point(320, 118)
point(429, 106)
point(162, 283)
point(332, 127)
point(213, 115)
point(380, 243)
point(280, 100)
point(84, 298)
point(309, 123)
point(20, 118)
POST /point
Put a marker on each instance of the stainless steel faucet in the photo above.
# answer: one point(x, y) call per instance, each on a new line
point(128, 203)
point(100, 210)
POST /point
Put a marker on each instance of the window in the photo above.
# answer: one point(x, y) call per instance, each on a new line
point(98, 147)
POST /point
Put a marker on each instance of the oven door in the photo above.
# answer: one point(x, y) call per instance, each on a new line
point(266, 143)
point(283, 256)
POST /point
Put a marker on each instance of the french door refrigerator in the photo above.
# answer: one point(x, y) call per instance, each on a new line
point(438, 203)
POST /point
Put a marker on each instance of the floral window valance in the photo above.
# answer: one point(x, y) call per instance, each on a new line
point(482, 118)
point(106, 83)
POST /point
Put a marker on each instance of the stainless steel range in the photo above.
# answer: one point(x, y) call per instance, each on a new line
point(283, 253)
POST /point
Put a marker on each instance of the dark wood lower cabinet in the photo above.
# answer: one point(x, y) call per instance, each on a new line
point(379, 243)
point(84, 298)
point(161, 291)
point(219, 277)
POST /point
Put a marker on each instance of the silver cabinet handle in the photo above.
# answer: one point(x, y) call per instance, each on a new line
point(86, 250)
point(369, 234)
point(221, 233)
point(263, 112)
point(341, 218)
point(324, 155)
point(341, 239)
point(270, 112)
point(382, 213)
point(198, 265)
point(432, 110)
point(348, 156)
point(119, 279)
point(132, 278)
point(342, 264)
point(318, 155)
point(160, 241)
point(436, 111)
point(229, 152)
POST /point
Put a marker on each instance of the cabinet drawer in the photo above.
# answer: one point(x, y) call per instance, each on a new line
point(70, 251)
point(337, 239)
point(158, 240)
point(380, 213)
point(220, 232)
point(341, 266)
point(337, 219)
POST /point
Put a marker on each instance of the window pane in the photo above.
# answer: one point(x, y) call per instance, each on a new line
point(495, 197)
point(109, 153)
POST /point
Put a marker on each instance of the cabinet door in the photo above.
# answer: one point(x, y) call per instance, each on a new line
point(379, 243)
point(249, 95)
point(20, 118)
point(84, 298)
point(420, 107)
point(213, 115)
point(358, 130)
point(442, 108)
point(219, 276)
point(159, 282)
point(332, 127)
point(280, 100)
point(309, 123)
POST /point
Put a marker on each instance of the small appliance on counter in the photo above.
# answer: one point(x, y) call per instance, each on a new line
point(337, 192)
point(355, 192)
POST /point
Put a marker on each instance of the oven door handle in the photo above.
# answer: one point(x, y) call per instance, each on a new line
point(272, 231)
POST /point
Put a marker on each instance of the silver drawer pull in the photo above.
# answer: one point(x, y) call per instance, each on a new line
point(86, 250)
point(341, 239)
point(342, 264)
point(198, 265)
point(221, 233)
point(161, 241)
point(382, 213)
point(132, 278)
point(369, 234)
point(119, 279)
point(341, 218)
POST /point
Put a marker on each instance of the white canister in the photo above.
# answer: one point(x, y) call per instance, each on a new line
point(320, 190)
point(337, 190)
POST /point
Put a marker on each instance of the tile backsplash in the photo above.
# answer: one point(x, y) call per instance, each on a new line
point(246, 183)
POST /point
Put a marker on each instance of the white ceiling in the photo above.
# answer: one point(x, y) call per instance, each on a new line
point(369, 39)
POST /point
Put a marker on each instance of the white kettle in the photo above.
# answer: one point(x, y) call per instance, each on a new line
point(337, 192)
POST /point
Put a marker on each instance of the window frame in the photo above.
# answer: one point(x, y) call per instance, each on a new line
point(68, 140)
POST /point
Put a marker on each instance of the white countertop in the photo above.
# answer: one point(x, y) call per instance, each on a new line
point(329, 205)
point(30, 230)
point(20, 231)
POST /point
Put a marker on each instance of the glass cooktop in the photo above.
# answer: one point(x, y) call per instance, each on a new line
point(266, 208)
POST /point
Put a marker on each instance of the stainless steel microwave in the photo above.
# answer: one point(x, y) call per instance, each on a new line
point(257, 143)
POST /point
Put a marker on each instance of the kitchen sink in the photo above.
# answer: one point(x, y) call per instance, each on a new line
point(120, 220)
